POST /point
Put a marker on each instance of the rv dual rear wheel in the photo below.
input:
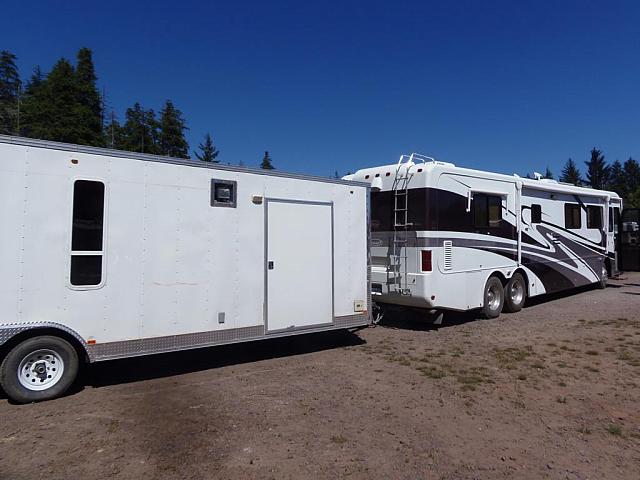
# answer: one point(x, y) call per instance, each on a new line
point(493, 298)
point(515, 293)
point(39, 368)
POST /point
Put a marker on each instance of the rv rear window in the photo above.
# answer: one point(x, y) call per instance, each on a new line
point(487, 210)
point(594, 217)
point(87, 233)
point(572, 219)
point(536, 213)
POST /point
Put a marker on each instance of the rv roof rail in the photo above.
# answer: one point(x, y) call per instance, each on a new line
point(414, 157)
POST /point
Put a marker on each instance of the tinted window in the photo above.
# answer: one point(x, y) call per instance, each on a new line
point(572, 218)
point(536, 213)
point(87, 233)
point(594, 216)
point(487, 210)
point(88, 213)
point(381, 211)
point(86, 270)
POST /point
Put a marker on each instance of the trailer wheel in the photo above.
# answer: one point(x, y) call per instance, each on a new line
point(515, 293)
point(493, 298)
point(39, 368)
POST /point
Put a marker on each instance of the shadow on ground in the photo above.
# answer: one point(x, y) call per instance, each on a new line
point(415, 319)
point(127, 370)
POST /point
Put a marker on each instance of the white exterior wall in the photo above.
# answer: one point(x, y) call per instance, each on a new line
point(172, 262)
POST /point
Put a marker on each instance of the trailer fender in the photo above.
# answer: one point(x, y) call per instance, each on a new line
point(13, 333)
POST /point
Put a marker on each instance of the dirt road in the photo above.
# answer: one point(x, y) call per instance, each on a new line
point(550, 392)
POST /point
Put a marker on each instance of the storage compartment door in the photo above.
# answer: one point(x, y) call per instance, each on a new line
point(299, 264)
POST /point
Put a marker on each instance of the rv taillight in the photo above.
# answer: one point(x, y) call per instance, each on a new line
point(426, 260)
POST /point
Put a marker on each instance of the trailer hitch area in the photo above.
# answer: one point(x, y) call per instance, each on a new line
point(378, 314)
point(436, 316)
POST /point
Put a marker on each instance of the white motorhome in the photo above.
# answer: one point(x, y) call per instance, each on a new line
point(108, 254)
point(450, 238)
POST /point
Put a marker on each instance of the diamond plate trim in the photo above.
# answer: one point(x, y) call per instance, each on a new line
point(10, 330)
point(172, 343)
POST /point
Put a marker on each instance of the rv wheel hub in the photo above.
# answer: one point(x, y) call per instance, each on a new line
point(40, 370)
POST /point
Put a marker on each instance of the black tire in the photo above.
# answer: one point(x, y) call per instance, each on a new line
point(44, 359)
point(602, 283)
point(515, 293)
point(493, 298)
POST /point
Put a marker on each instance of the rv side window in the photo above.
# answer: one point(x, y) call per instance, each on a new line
point(223, 193)
point(487, 210)
point(572, 218)
point(536, 213)
point(594, 216)
point(87, 233)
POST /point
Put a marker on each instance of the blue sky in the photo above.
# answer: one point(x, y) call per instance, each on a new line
point(509, 86)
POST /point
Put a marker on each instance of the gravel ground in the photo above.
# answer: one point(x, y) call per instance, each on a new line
point(550, 392)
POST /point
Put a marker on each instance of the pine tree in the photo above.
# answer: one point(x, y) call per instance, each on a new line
point(208, 150)
point(597, 170)
point(113, 133)
point(632, 177)
point(48, 110)
point(140, 131)
point(172, 128)
point(10, 89)
point(88, 108)
point(617, 182)
point(632, 174)
point(571, 173)
point(266, 162)
point(548, 174)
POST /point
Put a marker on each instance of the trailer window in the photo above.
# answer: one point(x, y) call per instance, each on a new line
point(594, 217)
point(487, 210)
point(87, 233)
point(572, 218)
point(223, 193)
point(536, 213)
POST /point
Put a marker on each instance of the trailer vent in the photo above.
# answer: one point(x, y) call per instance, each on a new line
point(448, 254)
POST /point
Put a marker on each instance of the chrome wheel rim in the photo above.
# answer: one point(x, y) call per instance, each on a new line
point(516, 292)
point(493, 297)
point(40, 370)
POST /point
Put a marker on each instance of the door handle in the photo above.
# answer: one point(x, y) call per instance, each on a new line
point(270, 264)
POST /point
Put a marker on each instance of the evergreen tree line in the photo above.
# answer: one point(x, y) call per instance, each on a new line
point(619, 177)
point(66, 105)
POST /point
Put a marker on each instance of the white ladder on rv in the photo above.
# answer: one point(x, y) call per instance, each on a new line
point(398, 257)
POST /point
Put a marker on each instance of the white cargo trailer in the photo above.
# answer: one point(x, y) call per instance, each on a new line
point(108, 254)
point(451, 238)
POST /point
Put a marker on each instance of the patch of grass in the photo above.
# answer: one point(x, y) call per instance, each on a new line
point(584, 430)
point(562, 384)
point(589, 368)
point(592, 352)
point(338, 439)
point(614, 429)
point(432, 372)
point(507, 357)
point(522, 377)
point(551, 344)
point(538, 365)
point(561, 400)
